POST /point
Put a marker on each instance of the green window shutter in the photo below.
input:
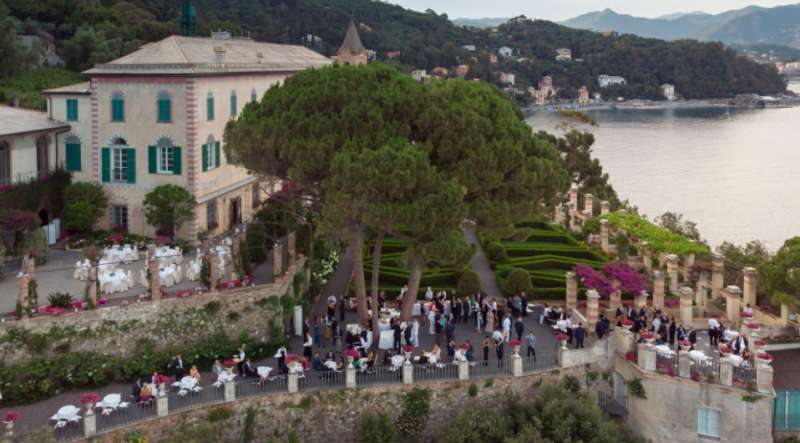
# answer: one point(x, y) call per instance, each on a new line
point(130, 156)
point(210, 108)
point(176, 160)
point(205, 158)
point(216, 154)
point(152, 155)
point(233, 106)
point(164, 110)
point(106, 165)
point(72, 110)
point(117, 110)
point(73, 157)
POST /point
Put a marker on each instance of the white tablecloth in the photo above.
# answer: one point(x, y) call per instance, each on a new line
point(735, 359)
point(81, 270)
point(387, 340)
point(730, 335)
point(699, 356)
point(111, 282)
point(166, 255)
point(167, 276)
point(664, 350)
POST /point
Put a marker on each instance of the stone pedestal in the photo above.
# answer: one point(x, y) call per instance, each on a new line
point(592, 309)
point(672, 272)
point(154, 285)
point(292, 245)
point(649, 358)
point(574, 226)
point(23, 284)
point(516, 365)
point(230, 390)
point(91, 284)
point(573, 200)
point(701, 293)
point(291, 382)
point(408, 373)
point(687, 314)
point(604, 244)
point(764, 379)
point(641, 300)
point(647, 256)
point(684, 365)
point(641, 355)
point(658, 289)
point(463, 370)
point(588, 204)
point(784, 315)
point(624, 341)
point(717, 275)
point(733, 296)
point(749, 287)
point(558, 215)
point(89, 425)
point(350, 377)
point(277, 258)
point(726, 372)
point(162, 405)
point(605, 207)
point(572, 291)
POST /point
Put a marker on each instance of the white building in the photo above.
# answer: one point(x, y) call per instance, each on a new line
point(157, 116)
point(507, 78)
point(470, 48)
point(419, 74)
point(563, 55)
point(29, 146)
point(610, 80)
point(668, 91)
point(505, 51)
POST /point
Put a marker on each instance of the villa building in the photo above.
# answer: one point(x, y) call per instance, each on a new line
point(157, 116)
point(462, 71)
point(505, 51)
point(419, 74)
point(492, 59)
point(668, 91)
point(610, 80)
point(583, 95)
point(563, 55)
point(29, 146)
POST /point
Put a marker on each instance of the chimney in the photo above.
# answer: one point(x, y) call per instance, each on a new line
point(219, 55)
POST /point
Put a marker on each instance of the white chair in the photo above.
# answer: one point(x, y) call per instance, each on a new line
point(143, 278)
point(106, 287)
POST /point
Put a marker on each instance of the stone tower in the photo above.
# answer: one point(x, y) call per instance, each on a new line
point(188, 19)
point(352, 52)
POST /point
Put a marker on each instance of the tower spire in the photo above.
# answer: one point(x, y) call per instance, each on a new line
point(188, 19)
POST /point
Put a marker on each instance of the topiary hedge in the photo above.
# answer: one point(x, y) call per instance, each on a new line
point(518, 281)
point(495, 252)
point(468, 284)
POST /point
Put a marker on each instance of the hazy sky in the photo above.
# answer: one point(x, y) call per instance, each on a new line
point(563, 9)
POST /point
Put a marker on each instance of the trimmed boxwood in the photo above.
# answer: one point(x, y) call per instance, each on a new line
point(495, 252)
point(518, 281)
point(468, 284)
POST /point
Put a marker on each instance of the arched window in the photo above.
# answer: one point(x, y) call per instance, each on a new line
point(165, 155)
point(210, 106)
point(42, 148)
point(72, 146)
point(234, 109)
point(211, 154)
point(164, 107)
point(253, 95)
point(117, 107)
point(118, 162)
point(5, 164)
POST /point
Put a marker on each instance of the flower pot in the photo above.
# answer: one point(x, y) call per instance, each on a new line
point(9, 426)
point(516, 351)
point(229, 370)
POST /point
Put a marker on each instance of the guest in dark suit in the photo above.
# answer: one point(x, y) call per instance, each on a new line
point(580, 334)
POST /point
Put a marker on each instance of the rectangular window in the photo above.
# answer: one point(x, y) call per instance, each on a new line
point(166, 160)
point(708, 422)
point(233, 106)
point(256, 196)
point(117, 110)
point(119, 217)
point(210, 108)
point(119, 165)
point(211, 215)
point(72, 109)
point(73, 157)
point(5, 164)
point(164, 110)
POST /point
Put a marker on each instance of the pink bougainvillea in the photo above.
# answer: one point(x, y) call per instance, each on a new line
point(615, 275)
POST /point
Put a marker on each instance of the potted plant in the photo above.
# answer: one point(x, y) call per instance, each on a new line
point(685, 345)
point(407, 351)
point(229, 365)
point(763, 358)
point(759, 344)
point(89, 399)
point(745, 314)
point(627, 324)
point(563, 339)
point(648, 336)
point(8, 421)
point(515, 344)
point(753, 326)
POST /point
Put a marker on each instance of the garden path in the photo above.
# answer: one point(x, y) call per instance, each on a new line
point(480, 264)
point(337, 284)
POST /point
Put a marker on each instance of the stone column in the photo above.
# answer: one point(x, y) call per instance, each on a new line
point(733, 296)
point(605, 207)
point(573, 218)
point(573, 199)
point(615, 300)
point(516, 365)
point(658, 289)
point(604, 245)
point(726, 371)
point(702, 289)
point(641, 355)
point(784, 315)
point(277, 257)
point(672, 272)
point(646, 251)
point(89, 424)
point(687, 297)
point(23, 283)
point(588, 204)
point(624, 341)
point(162, 405)
point(687, 266)
point(152, 267)
point(592, 309)
point(230, 390)
point(408, 373)
point(717, 275)
point(292, 245)
point(750, 287)
point(764, 379)
point(91, 284)
point(350, 377)
point(291, 382)
point(463, 370)
point(641, 299)
point(558, 216)
point(684, 365)
point(649, 358)
point(572, 291)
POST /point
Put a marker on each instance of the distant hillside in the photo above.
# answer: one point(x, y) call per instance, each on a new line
point(88, 32)
point(480, 22)
point(748, 26)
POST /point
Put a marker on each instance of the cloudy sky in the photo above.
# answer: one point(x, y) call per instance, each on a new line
point(563, 9)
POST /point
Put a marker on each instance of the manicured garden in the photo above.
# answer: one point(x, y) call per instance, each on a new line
point(546, 252)
point(393, 274)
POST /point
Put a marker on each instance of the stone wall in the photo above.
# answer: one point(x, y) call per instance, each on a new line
point(600, 355)
point(324, 416)
point(117, 330)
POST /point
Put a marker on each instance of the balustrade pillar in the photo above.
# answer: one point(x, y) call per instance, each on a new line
point(89, 424)
point(701, 294)
point(717, 275)
point(292, 245)
point(292, 382)
point(463, 370)
point(684, 365)
point(726, 371)
point(658, 289)
point(592, 309)
point(605, 207)
point(750, 286)
point(588, 204)
point(154, 284)
point(573, 200)
point(23, 285)
point(408, 373)
point(764, 376)
point(277, 258)
point(572, 291)
point(672, 272)
point(641, 299)
point(687, 314)
point(516, 365)
point(733, 296)
point(162, 405)
point(604, 244)
point(647, 256)
point(350, 377)
point(230, 390)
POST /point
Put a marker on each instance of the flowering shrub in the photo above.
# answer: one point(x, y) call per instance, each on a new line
point(409, 348)
point(11, 416)
point(615, 275)
point(562, 337)
point(514, 343)
point(89, 398)
point(630, 356)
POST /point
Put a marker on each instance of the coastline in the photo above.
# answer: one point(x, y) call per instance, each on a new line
point(641, 104)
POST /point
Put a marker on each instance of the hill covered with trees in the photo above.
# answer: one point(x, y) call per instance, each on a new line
point(92, 31)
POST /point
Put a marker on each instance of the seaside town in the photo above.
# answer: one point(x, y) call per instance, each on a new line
point(212, 237)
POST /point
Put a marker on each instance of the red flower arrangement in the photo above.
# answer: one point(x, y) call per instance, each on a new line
point(409, 348)
point(744, 314)
point(116, 239)
point(77, 305)
point(562, 337)
point(230, 363)
point(627, 322)
point(724, 349)
point(647, 335)
point(753, 326)
point(89, 398)
point(102, 301)
point(630, 356)
point(52, 310)
point(11, 416)
point(685, 343)
point(164, 379)
point(515, 343)
point(760, 343)
point(162, 240)
point(671, 302)
point(764, 356)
